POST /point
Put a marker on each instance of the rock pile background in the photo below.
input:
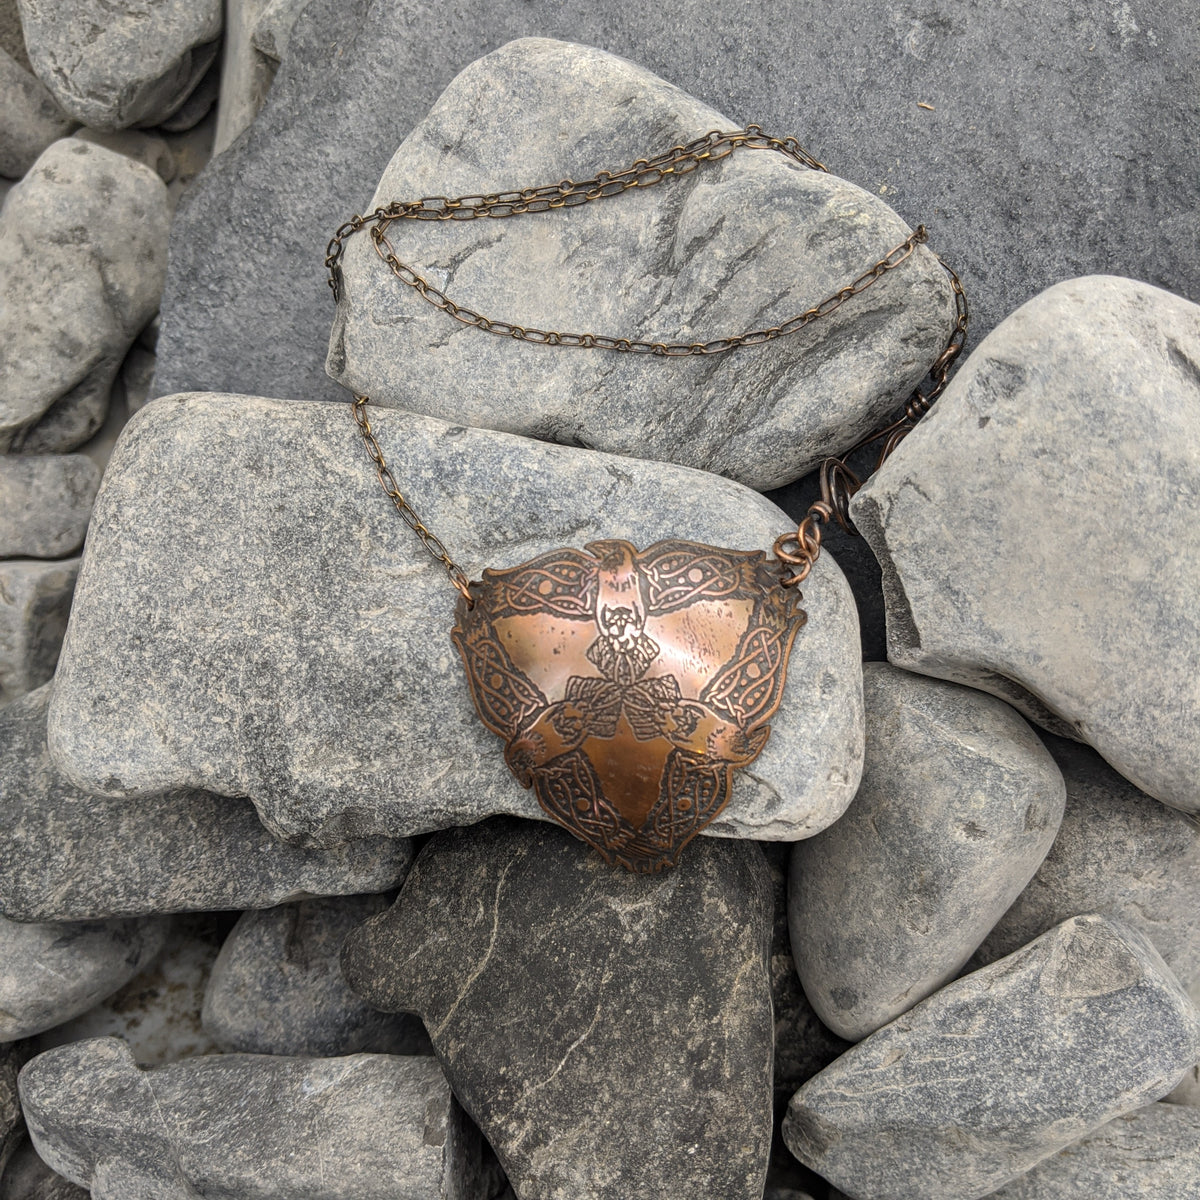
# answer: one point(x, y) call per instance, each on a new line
point(274, 919)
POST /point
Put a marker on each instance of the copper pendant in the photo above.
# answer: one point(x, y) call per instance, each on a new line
point(628, 686)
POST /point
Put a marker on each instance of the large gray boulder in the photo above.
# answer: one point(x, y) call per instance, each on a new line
point(83, 253)
point(35, 602)
point(1000, 1069)
point(958, 804)
point(45, 503)
point(29, 118)
point(742, 245)
point(1001, 525)
point(70, 855)
point(381, 1126)
point(295, 592)
point(111, 65)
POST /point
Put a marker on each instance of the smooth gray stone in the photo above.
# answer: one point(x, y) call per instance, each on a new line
point(29, 118)
point(45, 504)
point(1117, 852)
point(296, 592)
point(83, 241)
point(277, 986)
point(28, 1178)
point(148, 147)
point(111, 65)
point(1016, 194)
point(1000, 1069)
point(1151, 1153)
point(76, 856)
point(35, 602)
point(610, 1032)
point(54, 971)
point(743, 245)
point(198, 104)
point(994, 523)
point(12, 38)
point(364, 1127)
point(958, 805)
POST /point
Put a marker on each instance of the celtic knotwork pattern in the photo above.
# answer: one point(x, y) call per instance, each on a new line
point(629, 686)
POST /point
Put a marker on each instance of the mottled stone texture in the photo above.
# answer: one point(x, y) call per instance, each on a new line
point(277, 986)
point(45, 503)
point(1000, 1069)
point(958, 804)
point(742, 245)
point(365, 1127)
point(70, 855)
point(53, 972)
point(132, 62)
point(295, 592)
point(35, 602)
point(29, 118)
point(28, 1178)
point(83, 252)
point(994, 523)
point(610, 1032)
point(1117, 852)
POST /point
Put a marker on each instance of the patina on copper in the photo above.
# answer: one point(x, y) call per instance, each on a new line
point(629, 685)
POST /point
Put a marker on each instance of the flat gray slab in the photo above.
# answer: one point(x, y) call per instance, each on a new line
point(995, 522)
point(282, 634)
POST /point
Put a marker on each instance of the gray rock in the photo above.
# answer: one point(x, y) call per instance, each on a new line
point(28, 1178)
point(114, 65)
point(29, 118)
point(12, 38)
point(1117, 852)
point(1149, 1153)
point(744, 245)
point(74, 856)
point(12, 1058)
point(609, 1032)
point(1000, 1069)
point(198, 104)
point(53, 972)
point(369, 1126)
point(277, 986)
point(296, 588)
point(958, 804)
point(137, 377)
point(35, 601)
point(994, 523)
point(147, 147)
point(45, 504)
point(83, 242)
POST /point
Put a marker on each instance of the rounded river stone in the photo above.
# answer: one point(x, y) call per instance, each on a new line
point(45, 503)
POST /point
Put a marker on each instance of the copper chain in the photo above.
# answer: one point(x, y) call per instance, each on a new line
point(799, 550)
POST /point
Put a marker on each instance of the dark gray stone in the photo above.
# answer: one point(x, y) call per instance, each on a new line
point(29, 118)
point(994, 523)
point(1017, 193)
point(295, 588)
point(83, 252)
point(743, 245)
point(1117, 852)
point(277, 986)
point(610, 1032)
point(364, 1127)
point(111, 65)
point(74, 856)
point(28, 1178)
point(1150, 1153)
point(1000, 1069)
point(958, 804)
point(12, 1058)
point(45, 503)
point(35, 602)
point(198, 104)
point(53, 972)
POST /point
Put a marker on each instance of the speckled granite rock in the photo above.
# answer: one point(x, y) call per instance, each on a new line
point(240, 1124)
point(83, 241)
point(1000, 1069)
point(277, 986)
point(72, 856)
point(28, 1178)
point(747, 244)
point(958, 804)
point(994, 524)
point(53, 972)
point(1149, 1153)
point(29, 118)
point(296, 588)
point(111, 65)
point(35, 601)
point(45, 503)
point(1117, 852)
point(610, 1032)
